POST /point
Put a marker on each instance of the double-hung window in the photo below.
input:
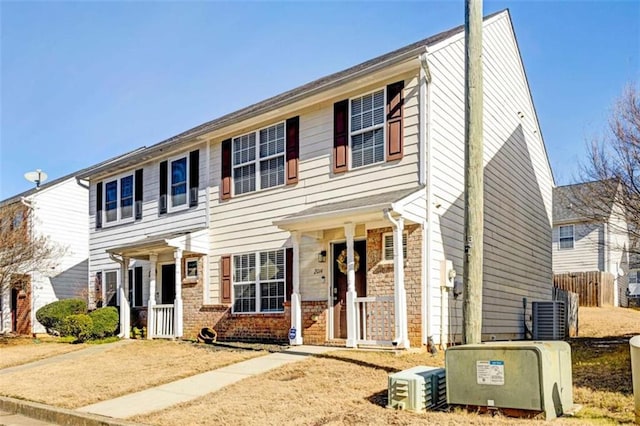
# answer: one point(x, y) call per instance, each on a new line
point(259, 282)
point(367, 122)
point(179, 170)
point(258, 159)
point(387, 249)
point(118, 199)
point(566, 236)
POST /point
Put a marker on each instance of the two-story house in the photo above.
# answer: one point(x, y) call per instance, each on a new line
point(58, 211)
point(590, 235)
point(334, 211)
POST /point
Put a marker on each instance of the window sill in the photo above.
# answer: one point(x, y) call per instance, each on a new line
point(258, 191)
point(116, 224)
point(262, 314)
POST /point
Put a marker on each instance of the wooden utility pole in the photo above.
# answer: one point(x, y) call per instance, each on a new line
point(473, 175)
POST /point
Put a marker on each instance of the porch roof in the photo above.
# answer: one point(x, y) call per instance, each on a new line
point(357, 210)
point(190, 240)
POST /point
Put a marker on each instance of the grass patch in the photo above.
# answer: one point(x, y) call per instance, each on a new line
point(23, 350)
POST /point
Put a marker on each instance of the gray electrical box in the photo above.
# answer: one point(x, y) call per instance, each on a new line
point(532, 376)
point(417, 389)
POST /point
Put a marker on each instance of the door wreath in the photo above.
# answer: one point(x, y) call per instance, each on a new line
point(342, 261)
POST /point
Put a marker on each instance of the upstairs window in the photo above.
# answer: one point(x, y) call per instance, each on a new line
point(367, 118)
point(566, 237)
point(178, 184)
point(259, 159)
point(118, 200)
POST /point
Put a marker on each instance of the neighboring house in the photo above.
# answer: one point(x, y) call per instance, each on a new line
point(591, 238)
point(334, 211)
point(58, 210)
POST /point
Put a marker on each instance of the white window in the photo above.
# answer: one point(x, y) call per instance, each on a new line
point(191, 266)
point(634, 282)
point(111, 288)
point(367, 119)
point(633, 276)
point(259, 289)
point(387, 246)
point(258, 159)
point(118, 200)
point(566, 237)
point(178, 182)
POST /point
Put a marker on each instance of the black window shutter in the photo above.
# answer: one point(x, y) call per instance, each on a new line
point(138, 193)
point(293, 149)
point(194, 174)
point(138, 286)
point(162, 201)
point(225, 168)
point(340, 136)
point(131, 281)
point(99, 205)
point(288, 273)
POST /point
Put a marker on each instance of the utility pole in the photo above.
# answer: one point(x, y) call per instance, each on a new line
point(473, 175)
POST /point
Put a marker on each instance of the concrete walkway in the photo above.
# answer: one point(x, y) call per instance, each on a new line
point(193, 387)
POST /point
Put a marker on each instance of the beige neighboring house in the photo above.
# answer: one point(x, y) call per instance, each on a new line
point(592, 239)
point(333, 213)
point(58, 210)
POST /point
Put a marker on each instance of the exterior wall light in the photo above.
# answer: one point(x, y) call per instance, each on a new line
point(322, 256)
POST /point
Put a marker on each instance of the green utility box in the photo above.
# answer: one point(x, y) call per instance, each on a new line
point(533, 376)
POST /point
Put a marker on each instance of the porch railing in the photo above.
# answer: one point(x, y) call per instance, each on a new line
point(374, 320)
point(163, 321)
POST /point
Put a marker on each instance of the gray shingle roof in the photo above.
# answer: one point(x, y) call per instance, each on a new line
point(575, 202)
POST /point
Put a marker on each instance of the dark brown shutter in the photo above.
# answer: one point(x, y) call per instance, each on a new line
point(293, 149)
point(225, 279)
point(138, 193)
point(99, 205)
point(162, 201)
point(194, 174)
point(288, 272)
point(137, 289)
point(395, 104)
point(340, 136)
point(225, 179)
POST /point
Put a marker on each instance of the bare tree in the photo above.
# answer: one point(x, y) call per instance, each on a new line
point(613, 167)
point(22, 250)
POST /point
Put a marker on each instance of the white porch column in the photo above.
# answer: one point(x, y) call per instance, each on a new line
point(125, 309)
point(400, 296)
point(349, 231)
point(151, 320)
point(177, 304)
point(296, 309)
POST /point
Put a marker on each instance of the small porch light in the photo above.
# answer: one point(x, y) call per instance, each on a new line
point(322, 256)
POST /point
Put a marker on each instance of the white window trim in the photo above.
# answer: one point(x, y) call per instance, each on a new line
point(573, 237)
point(119, 219)
point(257, 282)
point(258, 159)
point(104, 286)
point(405, 235)
point(186, 267)
point(357, 132)
point(185, 206)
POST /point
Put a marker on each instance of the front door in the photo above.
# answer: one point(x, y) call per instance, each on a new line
point(339, 287)
point(21, 305)
point(168, 284)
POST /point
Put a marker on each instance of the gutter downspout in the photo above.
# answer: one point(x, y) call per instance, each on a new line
point(426, 179)
point(400, 298)
point(125, 313)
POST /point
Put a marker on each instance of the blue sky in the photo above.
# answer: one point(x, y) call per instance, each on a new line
point(86, 81)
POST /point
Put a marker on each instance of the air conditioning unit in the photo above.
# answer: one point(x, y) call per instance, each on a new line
point(417, 389)
point(549, 320)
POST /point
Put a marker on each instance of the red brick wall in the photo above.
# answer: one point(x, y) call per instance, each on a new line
point(380, 275)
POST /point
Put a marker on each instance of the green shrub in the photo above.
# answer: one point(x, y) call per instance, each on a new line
point(79, 326)
point(51, 315)
point(105, 322)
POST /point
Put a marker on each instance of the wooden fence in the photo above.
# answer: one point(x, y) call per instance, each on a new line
point(593, 288)
point(570, 310)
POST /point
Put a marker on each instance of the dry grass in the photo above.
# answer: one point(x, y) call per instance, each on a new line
point(117, 371)
point(22, 350)
point(348, 387)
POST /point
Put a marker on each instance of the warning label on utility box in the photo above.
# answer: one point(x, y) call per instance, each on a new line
point(490, 372)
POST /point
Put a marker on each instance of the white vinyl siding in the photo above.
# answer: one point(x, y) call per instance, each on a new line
point(367, 135)
point(565, 239)
point(258, 159)
point(588, 249)
point(259, 286)
point(118, 200)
